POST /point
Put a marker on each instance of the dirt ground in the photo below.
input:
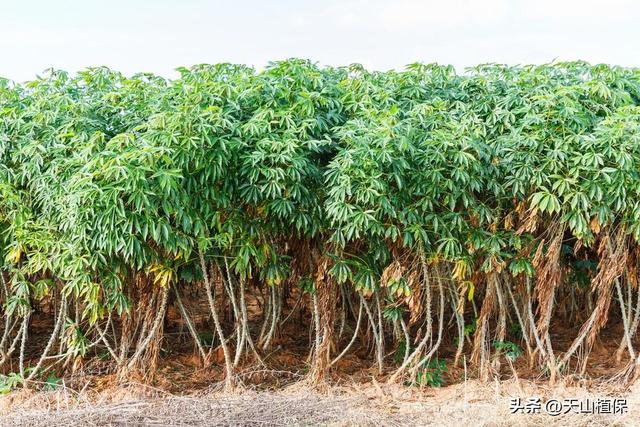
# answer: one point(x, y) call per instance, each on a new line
point(465, 404)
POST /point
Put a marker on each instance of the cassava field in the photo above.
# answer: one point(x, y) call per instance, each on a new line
point(314, 239)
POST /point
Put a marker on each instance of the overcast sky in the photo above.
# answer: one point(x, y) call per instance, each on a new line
point(160, 35)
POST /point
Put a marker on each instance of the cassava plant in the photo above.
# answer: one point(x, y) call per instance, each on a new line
point(373, 206)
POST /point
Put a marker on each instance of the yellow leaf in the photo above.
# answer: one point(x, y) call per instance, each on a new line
point(471, 290)
point(163, 275)
point(14, 255)
point(460, 270)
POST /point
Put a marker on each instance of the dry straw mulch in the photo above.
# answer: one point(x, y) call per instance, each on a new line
point(467, 404)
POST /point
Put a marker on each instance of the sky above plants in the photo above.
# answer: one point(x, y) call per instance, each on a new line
point(160, 35)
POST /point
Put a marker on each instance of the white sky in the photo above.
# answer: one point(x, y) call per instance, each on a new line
point(160, 35)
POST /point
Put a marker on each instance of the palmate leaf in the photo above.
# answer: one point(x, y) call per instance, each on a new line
point(545, 202)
